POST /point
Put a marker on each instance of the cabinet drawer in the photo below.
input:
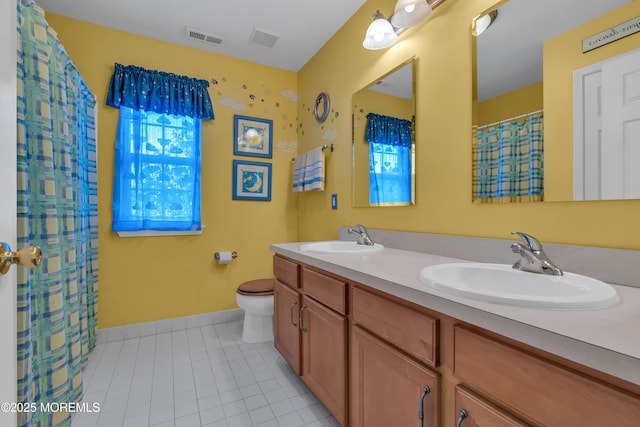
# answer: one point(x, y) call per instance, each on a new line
point(327, 290)
point(413, 331)
point(479, 412)
point(286, 271)
point(537, 388)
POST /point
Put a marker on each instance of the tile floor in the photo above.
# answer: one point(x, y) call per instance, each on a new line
point(196, 377)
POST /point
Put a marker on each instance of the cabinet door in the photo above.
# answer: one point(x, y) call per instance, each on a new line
point(472, 411)
point(539, 390)
point(286, 334)
point(324, 356)
point(388, 388)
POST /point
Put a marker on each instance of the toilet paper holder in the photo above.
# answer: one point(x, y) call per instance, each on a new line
point(234, 255)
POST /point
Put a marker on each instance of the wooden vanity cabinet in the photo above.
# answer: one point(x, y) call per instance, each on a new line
point(286, 310)
point(323, 322)
point(400, 324)
point(473, 411)
point(310, 331)
point(374, 359)
point(286, 315)
point(539, 390)
point(388, 388)
point(324, 356)
point(393, 347)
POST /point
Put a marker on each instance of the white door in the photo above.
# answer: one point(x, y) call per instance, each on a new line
point(8, 206)
point(621, 127)
point(607, 129)
point(588, 135)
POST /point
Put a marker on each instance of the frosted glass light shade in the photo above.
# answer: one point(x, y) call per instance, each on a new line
point(380, 34)
point(485, 21)
point(410, 12)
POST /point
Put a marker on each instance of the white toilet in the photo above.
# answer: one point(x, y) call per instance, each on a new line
point(255, 297)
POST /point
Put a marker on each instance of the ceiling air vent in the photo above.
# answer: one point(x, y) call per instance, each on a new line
point(263, 37)
point(202, 36)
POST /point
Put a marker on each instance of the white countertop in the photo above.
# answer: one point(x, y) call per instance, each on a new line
point(605, 339)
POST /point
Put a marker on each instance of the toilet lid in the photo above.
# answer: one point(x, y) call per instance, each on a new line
point(256, 287)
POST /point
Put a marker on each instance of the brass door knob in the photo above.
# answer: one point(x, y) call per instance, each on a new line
point(28, 257)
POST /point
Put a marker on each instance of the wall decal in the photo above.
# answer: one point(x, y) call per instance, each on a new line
point(287, 146)
point(330, 134)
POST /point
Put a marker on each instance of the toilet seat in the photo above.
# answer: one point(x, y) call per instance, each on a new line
point(255, 288)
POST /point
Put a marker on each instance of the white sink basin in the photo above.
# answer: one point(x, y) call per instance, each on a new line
point(499, 283)
point(340, 247)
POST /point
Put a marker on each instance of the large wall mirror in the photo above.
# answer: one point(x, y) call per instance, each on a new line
point(383, 140)
point(542, 103)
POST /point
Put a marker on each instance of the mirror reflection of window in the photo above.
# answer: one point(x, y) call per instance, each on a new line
point(383, 168)
point(390, 149)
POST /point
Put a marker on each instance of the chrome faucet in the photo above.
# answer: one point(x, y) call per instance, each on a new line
point(533, 259)
point(364, 238)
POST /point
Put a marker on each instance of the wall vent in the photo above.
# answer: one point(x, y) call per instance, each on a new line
point(263, 37)
point(194, 34)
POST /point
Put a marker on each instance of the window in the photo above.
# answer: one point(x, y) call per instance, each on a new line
point(157, 172)
point(389, 174)
point(391, 156)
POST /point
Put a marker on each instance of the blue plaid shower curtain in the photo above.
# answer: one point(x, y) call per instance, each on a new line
point(509, 160)
point(57, 210)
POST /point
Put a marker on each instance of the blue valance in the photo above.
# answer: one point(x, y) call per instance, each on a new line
point(388, 130)
point(159, 92)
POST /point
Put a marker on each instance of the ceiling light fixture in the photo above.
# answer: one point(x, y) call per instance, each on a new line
point(380, 33)
point(485, 21)
point(410, 12)
point(383, 32)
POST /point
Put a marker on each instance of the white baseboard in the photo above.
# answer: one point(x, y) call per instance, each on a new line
point(138, 330)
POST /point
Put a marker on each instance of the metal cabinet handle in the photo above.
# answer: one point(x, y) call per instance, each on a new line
point(28, 257)
point(291, 314)
point(425, 391)
point(463, 415)
point(300, 320)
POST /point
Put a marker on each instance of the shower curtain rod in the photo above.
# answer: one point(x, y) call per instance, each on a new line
point(510, 119)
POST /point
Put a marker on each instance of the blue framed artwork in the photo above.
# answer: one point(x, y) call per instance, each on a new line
point(252, 136)
point(251, 180)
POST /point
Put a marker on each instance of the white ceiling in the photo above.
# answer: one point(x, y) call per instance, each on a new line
point(303, 26)
point(399, 83)
point(510, 50)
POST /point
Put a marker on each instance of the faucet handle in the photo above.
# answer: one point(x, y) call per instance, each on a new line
point(531, 242)
point(360, 230)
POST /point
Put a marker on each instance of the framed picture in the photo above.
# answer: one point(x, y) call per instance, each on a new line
point(252, 136)
point(251, 180)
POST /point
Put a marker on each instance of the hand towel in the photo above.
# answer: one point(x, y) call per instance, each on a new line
point(314, 170)
point(298, 173)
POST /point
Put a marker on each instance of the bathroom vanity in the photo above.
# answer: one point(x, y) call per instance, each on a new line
point(379, 348)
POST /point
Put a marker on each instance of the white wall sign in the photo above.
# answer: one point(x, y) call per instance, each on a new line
point(611, 35)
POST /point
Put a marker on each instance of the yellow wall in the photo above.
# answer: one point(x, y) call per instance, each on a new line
point(562, 56)
point(443, 139)
point(144, 279)
point(512, 104)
